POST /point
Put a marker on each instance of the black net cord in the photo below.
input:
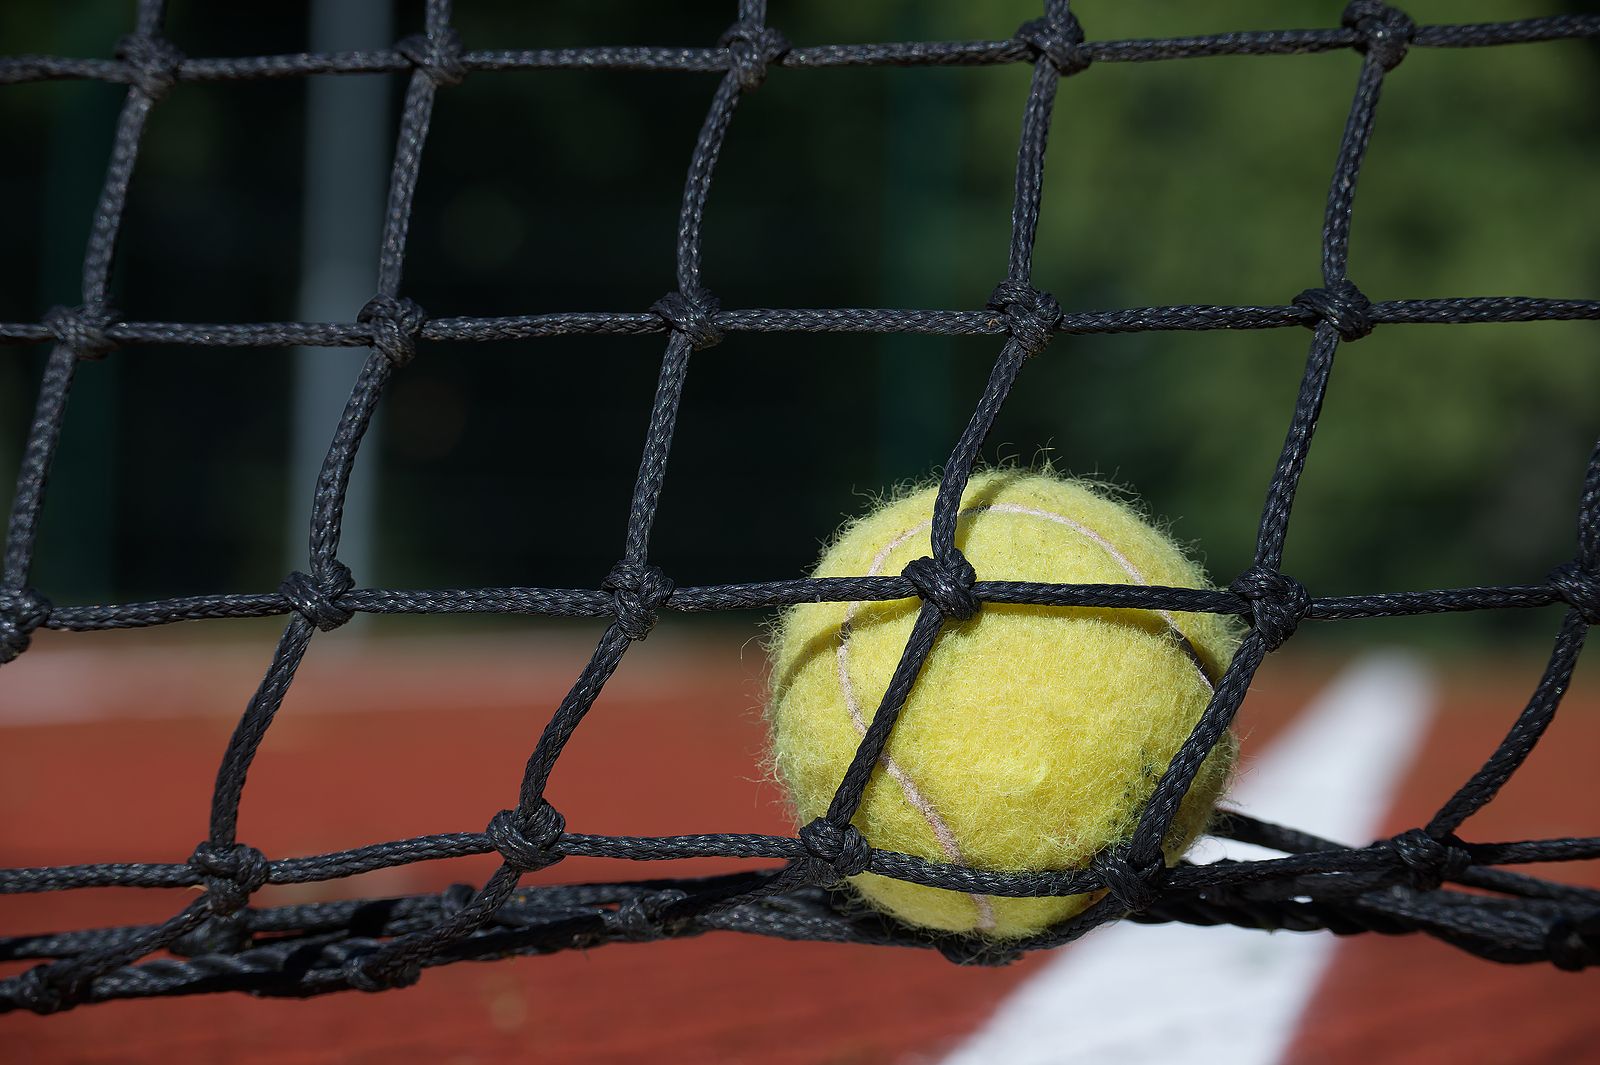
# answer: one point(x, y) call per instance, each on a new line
point(1278, 602)
point(1523, 735)
point(313, 596)
point(1582, 590)
point(945, 579)
point(79, 333)
point(877, 320)
point(220, 942)
point(522, 835)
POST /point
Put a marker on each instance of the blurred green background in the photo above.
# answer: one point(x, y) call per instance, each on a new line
point(1447, 455)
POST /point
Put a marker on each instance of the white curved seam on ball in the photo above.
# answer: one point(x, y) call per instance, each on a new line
point(1119, 558)
point(908, 787)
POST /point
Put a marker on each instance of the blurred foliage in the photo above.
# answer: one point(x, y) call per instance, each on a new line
point(1447, 455)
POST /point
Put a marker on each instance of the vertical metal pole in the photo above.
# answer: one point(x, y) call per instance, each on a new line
point(348, 146)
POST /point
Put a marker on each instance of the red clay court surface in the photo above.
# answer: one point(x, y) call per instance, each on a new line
point(108, 746)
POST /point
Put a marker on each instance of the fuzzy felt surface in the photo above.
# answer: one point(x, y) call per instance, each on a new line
point(1033, 735)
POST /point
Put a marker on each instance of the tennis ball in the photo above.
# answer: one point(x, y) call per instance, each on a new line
point(1034, 735)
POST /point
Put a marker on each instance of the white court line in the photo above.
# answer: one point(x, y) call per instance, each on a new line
point(1137, 994)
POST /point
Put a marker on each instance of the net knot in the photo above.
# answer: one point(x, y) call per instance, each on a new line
point(227, 934)
point(1387, 32)
point(1277, 603)
point(49, 988)
point(1580, 588)
point(1342, 305)
point(437, 55)
point(368, 972)
point(82, 330)
point(396, 324)
point(152, 63)
point(22, 610)
point(1058, 39)
point(1574, 945)
point(637, 592)
point(947, 586)
point(639, 919)
point(1031, 315)
point(317, 600)
point(694, 317)
point(232, 871)
point(524, 840)
point(835, 851)
point(751, 46)
point(1428, 861)
point(1134, 887)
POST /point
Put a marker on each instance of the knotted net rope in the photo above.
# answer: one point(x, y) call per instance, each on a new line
point(1410, 883)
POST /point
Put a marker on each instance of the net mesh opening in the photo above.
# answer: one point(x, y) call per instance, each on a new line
point(220, 942)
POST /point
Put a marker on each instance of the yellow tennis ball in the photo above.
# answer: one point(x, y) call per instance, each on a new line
point(1033, 735)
